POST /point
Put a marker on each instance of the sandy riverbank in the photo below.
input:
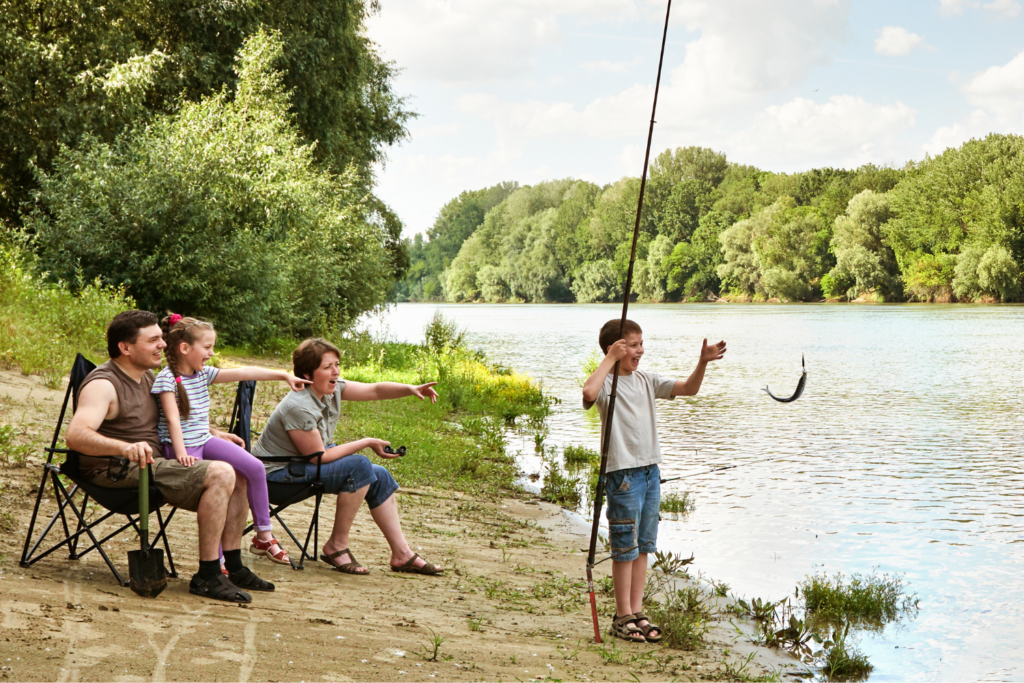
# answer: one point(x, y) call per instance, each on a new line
point(511, 605)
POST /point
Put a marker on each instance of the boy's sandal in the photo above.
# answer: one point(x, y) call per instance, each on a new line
point(410, 567)
point(259, 547)
point(626, 628)
point(647, 628)
point(218, 588)
point(247, 579)
point(352, 567)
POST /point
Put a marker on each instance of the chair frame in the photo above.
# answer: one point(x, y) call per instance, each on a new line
point(240, 425)
point(64, 498)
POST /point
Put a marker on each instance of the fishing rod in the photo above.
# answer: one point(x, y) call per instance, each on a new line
point(725, 467)
point(599, 493)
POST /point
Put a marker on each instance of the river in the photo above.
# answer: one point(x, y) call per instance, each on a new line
point(904, 454)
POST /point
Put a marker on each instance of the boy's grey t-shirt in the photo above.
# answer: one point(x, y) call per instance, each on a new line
point(634, 439)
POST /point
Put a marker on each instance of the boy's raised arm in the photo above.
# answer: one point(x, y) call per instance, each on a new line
point(592, 387)
point(691, 385)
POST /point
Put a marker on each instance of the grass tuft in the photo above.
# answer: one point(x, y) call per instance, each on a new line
point(679, 503)
point(842, 661)
point(580, 456)
point(880, 598)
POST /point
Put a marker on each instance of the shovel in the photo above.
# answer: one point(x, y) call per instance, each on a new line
point(147, 576)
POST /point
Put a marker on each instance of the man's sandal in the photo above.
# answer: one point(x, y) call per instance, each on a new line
point(247, 579)
point(626, 628)
point(647, 628)
point(218, 588)
point(410, 567)
point(259, 547)
point(352, 567)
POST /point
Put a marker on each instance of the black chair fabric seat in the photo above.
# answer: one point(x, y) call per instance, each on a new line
point(119, 501)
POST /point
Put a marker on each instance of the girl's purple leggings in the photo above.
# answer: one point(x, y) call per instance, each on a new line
point(245, 464)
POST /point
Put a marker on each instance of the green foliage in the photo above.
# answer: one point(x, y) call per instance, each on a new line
point(681, 503)
point(76, 68)
point(863, 262)
point(841, 660)
point(560, 487)
point(877, 598)
point(580, 456)
point(595, 282)
point(685, 617)
point(219, 211)
point(43, 325)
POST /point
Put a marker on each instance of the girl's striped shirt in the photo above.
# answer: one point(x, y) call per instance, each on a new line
point(195, 429)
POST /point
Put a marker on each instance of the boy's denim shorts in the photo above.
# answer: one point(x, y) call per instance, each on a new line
point(634, 497)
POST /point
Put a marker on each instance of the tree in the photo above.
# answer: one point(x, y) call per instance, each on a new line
point(75, 68)
point(864, 264)
point(219, 211)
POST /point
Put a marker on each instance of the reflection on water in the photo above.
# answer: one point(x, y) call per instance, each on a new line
point(904, 453)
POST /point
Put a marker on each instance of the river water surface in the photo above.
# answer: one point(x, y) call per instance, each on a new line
point(904, 455)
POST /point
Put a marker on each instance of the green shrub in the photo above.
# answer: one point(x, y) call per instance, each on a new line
point(580, 456)
point(43, 326)
point(220, 211)
point(680, 503)
point(560, 488)
point(842, 661)
point(879, 598)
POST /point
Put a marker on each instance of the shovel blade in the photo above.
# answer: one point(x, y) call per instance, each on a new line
point(147, 576)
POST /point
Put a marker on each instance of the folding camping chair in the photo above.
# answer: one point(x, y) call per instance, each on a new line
point(281, 495)
point(114, 501)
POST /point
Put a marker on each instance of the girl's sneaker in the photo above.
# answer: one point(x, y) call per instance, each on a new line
point(259, 547)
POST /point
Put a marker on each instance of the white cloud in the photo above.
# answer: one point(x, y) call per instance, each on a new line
point(464, 41)
point(977, 125)
point(1000, 91)
point(605, 66)
point(895, 41)
point(951, 8)
point(1003, 8)
point(750, 48)
point(846, 130)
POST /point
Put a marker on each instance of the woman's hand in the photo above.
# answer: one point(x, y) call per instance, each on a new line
point(424, 391)
point(186, 459)
point(297, 383)
point(377, 446)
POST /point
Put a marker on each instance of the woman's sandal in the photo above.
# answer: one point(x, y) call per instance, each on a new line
point(352, 567)
point(647, 628)
point(410, 567)
point(247, 579)
point(259, 547)
point(626, 628)
point(218, 588)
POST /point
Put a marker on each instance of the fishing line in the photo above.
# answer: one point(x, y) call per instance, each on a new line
point(599, 493)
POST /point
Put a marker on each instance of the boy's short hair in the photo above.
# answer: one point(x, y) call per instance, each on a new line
point(308, 355)
point(125, 328)
point(610, 332)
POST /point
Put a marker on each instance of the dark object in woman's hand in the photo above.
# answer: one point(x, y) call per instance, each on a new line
point(390, 451)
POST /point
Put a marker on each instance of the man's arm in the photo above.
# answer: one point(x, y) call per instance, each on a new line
point(383, 391)
point(592, 387)
point(691, 385)
point(96, 403)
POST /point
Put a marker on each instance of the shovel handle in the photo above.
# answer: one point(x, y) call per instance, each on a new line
point(144, 506)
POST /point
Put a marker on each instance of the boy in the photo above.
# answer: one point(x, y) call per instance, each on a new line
point(632, 478)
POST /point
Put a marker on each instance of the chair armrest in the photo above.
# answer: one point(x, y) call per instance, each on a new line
point(319, 455)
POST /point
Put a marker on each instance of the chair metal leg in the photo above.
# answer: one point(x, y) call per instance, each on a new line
point(163, 533)
point(73, 546)
point(96, 543)
point(32, 522)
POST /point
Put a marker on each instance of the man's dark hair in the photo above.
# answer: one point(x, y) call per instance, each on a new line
point(125, 328)
point(308, 355)
point(610, 333)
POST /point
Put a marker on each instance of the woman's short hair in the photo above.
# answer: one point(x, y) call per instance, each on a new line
point(308, 355)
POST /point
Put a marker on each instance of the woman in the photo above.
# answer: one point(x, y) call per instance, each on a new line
point(304, 421)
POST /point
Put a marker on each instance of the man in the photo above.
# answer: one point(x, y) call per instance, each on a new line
point(117, 416)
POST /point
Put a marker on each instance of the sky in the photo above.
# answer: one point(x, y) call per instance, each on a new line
point(534, 90)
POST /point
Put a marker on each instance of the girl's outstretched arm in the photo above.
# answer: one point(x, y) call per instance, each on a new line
point(260, 375)
point(173, 417)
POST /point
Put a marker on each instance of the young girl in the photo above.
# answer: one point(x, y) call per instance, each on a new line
point(185, 416)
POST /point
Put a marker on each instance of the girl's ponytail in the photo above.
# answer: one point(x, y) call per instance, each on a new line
point(177, 331)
